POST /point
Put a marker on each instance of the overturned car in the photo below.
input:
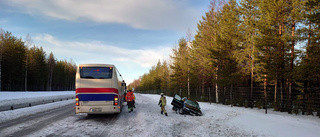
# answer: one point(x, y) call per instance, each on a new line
point(185, 106)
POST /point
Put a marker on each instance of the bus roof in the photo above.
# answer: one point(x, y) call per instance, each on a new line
point(96, 65)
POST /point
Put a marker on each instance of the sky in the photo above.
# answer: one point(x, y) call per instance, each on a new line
point(131, 34)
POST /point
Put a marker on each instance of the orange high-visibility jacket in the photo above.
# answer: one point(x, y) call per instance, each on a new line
point(130, 96)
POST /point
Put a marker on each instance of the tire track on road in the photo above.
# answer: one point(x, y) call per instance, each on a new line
point(29, 124)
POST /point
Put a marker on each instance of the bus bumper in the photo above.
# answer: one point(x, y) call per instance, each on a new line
point(98, 109)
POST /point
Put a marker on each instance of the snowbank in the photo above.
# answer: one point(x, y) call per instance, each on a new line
point(25, 95)
point(23, 99)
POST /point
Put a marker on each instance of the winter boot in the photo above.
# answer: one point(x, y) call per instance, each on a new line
point(130, 110)
point(161, 112)
point(166, 114)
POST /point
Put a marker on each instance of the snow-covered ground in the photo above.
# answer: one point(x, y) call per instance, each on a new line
point(27, 95)
point(18, 98)
point(217, 120)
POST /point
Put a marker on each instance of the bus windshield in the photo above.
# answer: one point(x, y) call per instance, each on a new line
point(96, 72)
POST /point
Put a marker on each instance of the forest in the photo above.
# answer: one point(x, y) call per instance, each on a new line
point(250, 53)
point(24, 67)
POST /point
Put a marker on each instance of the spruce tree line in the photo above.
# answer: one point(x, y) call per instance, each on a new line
point(254, 53)
point(24, 68)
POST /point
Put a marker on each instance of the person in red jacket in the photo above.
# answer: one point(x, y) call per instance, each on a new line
point(130, 100)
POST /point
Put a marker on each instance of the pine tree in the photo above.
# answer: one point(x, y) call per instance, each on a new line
point(37, 69)
point(295, 8)
point(309, 66)
point(15, 67)
point(28, 44)
point(247, 49)
point(165, 77)
point(157, 76)
point(312, 20)
point(229, 38)
point(1, 53)
point(51, 65)
point(203, 69)
point(273, 42)
point(227, 43)
point(179, 66)
point(13, 62)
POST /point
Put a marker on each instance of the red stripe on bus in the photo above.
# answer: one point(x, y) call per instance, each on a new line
point(97, 90)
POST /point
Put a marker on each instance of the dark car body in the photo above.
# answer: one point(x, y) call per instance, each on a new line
point(186, 106)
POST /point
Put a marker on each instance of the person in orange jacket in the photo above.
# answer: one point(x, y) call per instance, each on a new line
point(130, 100)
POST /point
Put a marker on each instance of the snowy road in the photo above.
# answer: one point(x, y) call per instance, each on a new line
point(146, 120)
point(60, 121)
point(25, 125)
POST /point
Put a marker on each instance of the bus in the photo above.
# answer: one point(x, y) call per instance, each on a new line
point(100, 89)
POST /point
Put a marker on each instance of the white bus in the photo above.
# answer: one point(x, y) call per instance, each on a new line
point(99, 89)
